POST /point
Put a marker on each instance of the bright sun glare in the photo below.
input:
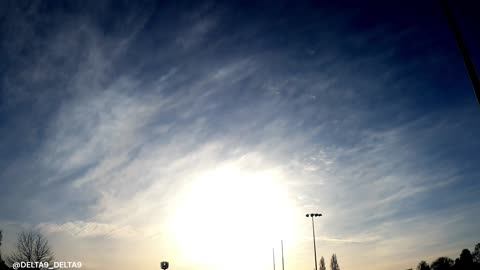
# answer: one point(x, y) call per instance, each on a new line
point(230, 213)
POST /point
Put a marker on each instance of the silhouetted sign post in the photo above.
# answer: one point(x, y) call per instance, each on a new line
point(164, 265)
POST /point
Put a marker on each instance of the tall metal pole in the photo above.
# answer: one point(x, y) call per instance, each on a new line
point(273, 258)
point(283, 264)
point(314, 245)
point(463, 49)
point(314, 242)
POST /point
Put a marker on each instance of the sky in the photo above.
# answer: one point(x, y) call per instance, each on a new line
point(202, 132)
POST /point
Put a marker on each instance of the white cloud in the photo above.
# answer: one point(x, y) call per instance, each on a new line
point(90, 229)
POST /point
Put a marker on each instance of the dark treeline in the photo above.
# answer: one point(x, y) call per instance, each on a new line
point(466, 261)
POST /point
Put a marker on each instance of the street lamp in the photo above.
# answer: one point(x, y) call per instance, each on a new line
point(312, 215)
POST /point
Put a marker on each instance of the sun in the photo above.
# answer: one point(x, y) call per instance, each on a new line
point(230, 214)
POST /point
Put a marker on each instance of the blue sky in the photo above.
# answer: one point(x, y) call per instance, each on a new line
point(130, 131)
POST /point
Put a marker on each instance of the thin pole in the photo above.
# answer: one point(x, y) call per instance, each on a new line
point(463, 49)
point(314, 245)
point(273, 258)
point(283, 264)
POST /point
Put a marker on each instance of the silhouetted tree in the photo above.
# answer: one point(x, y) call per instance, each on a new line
point(476, 254)
point(457, 264)
point(1, 237)
point(465, 262)
point(322, 264)
point(442, 263)
point(423, 265)
point(31, 247)
point(3, 266)
point(334, 263)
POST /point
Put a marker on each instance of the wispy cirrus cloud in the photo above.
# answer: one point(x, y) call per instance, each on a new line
point(85, 229)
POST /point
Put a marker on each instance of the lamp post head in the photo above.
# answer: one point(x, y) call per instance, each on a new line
point(164, 265)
